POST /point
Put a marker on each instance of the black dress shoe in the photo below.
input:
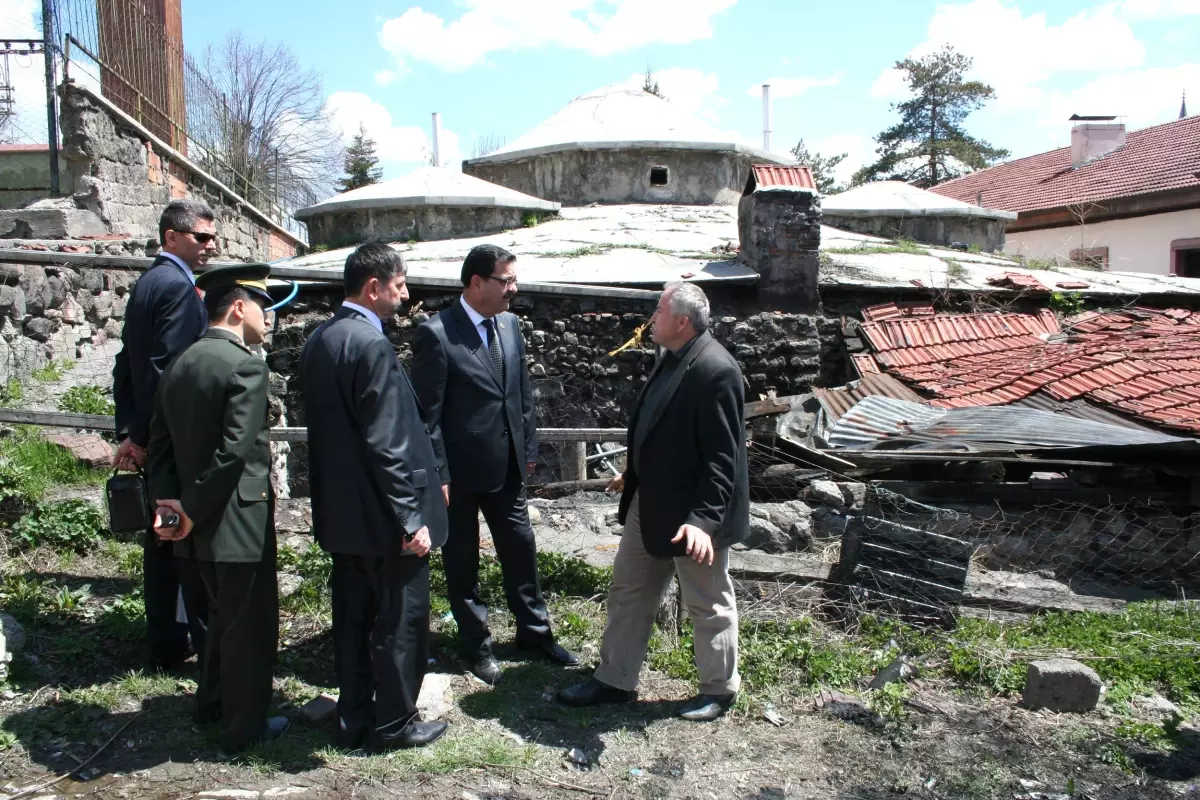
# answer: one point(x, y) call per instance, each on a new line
point(487, 670)
point(593, 692)
point(553, 652)
point(414, 734)
point(707, 707)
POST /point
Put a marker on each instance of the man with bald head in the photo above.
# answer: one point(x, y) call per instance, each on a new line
point(684, 501)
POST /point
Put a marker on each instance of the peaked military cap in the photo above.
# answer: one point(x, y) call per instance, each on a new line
point(251, 277)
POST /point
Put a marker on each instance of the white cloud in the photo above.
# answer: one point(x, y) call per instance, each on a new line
point(791, 87)
point(1146, 97)
point(395, 144)
point(859, 150)
point(592, 26)
point(1020, 52)
point(1159, 9)
point(385, 78)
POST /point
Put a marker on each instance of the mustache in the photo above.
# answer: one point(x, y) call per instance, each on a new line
point(509, 295)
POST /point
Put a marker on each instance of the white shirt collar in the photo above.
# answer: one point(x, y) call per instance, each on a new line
point(371, 316)
point(179, 262)
point(476, 318)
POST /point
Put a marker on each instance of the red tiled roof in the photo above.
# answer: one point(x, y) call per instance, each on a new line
point(768, 175)
point(1144, 363)
point(1017, 280)
point(1156, 159)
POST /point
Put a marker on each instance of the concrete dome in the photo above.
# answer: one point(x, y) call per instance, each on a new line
point(621, 145)
point(428, 203)
point(895, 209)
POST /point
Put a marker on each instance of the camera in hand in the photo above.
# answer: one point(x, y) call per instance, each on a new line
point(170, 520)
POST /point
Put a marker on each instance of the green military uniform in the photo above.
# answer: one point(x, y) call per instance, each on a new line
point(209, 449)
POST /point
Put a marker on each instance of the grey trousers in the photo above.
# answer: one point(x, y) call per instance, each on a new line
point(639, 581)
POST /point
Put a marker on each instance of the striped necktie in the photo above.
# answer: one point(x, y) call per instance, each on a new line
point(493, 344)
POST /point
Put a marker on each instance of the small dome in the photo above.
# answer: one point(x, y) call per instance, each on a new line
point(897, 197)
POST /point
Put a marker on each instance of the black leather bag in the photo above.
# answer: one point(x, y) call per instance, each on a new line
point(128, 503)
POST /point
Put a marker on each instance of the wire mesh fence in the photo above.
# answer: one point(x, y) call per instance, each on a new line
point(134, 56)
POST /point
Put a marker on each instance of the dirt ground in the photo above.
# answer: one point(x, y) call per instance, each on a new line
point(75, 702)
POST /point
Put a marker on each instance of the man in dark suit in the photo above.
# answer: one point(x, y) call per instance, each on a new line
point(377, 506)
point(210, 462)
point(470, 374)
point(684, 501)
point(163, 317)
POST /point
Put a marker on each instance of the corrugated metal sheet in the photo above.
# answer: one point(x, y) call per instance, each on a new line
point(879, 422)
point(837, 401)
point(767, 176)
point(1078, 409)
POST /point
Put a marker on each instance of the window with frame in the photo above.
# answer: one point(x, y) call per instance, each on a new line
point(1185, 258)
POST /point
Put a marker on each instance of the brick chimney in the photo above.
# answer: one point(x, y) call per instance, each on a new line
point(1092, 137)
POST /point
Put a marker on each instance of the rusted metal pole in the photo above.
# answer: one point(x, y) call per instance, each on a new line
point(48, 48)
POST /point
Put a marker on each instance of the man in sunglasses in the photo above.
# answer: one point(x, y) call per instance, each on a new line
point(163, 317)
point(469, 372)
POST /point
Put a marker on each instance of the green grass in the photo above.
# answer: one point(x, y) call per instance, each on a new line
point(894, 246)
point(11, 393)
point(30, 466)
point(53, 371)
point(86, 400)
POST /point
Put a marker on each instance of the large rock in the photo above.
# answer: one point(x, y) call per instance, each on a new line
point(12, 302)
point(436, 697)
point(40, 329)
point(14, 634)
point(828, 493)
point(28, 356)
point(1061, 684)
point(765, 535)
point(36, 287)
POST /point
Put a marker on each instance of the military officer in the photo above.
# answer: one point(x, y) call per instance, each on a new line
point(209, 465)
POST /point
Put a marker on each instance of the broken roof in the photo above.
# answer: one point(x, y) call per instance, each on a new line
point(886, 198)
point(622, 117)
point(1156, 159)
point(1142, 363)
point(428, 186)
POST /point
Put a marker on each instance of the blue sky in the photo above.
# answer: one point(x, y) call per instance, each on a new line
point(499, 67)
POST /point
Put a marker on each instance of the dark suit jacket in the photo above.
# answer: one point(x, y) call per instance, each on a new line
point(691, 463)
point(471, 416)
point(209, 448)
point(163, 317)
point(373, 474)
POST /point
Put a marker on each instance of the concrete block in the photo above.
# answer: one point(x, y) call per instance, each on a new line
point(1061, 684)
point(50, 223)
point(827, 492)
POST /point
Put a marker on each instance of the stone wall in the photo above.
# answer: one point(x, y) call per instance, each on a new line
point(780, 234)
point(575, 381)
point(986, 234)
point(579, 177)
point(422, 223)
point(24, 173)
point(123, 174)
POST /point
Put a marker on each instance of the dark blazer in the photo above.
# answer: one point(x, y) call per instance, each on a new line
point(210, 450)
point(692, 459)
point(163, 317)
point(373, 473)
point(471, 416)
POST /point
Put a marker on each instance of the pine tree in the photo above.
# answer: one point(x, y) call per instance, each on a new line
point(929, 145)
point(822, 167)
point(650, 85)
point(360, 163)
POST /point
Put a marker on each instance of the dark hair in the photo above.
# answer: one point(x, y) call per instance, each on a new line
point(374, 260)
point(183, 215)
point(482, 261)
point(217, 302)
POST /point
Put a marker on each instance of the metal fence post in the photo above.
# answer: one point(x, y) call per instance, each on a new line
point(48, 47)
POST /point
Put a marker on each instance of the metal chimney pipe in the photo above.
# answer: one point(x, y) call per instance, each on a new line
point(437, 136)
point(766, 89)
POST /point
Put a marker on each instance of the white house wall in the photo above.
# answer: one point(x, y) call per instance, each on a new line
point(1139, 244)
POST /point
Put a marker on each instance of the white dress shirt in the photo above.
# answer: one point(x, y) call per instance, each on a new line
point(477, 320)
point(371, 316)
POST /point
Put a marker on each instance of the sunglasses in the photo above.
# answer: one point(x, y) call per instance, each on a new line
point(505, 281)
point(202, 238)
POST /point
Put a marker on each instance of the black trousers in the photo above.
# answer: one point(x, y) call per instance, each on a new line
point(168, 639)
point(380, 640)
point(243, 633)
point(512, 535)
